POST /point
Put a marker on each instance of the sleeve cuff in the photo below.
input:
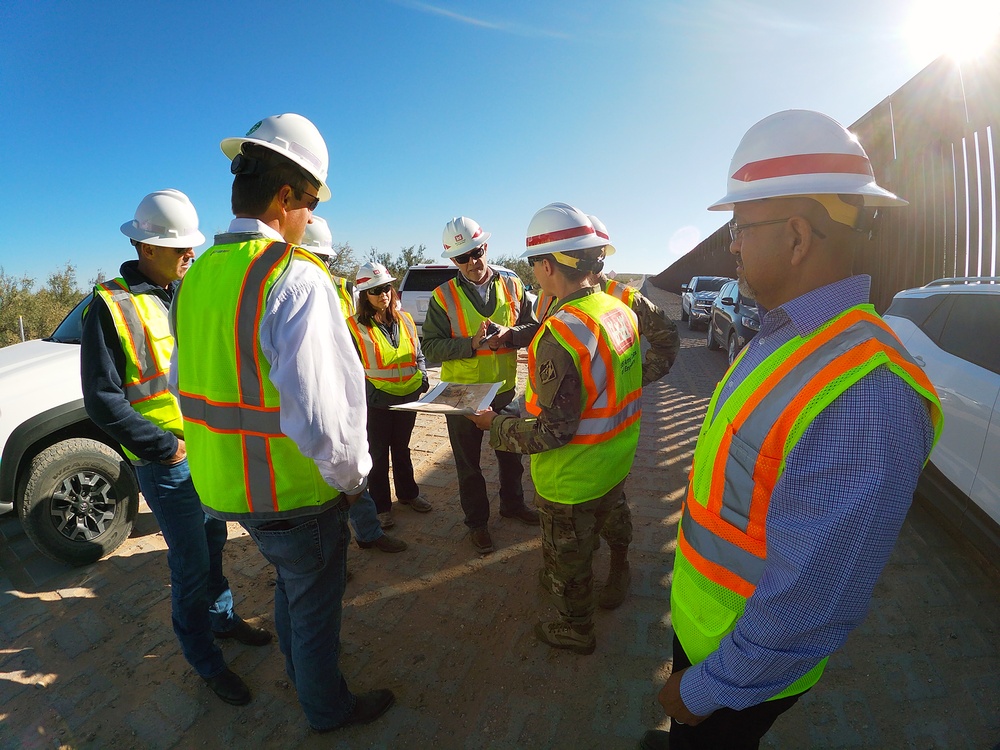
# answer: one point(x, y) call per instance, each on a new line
point(695, 692)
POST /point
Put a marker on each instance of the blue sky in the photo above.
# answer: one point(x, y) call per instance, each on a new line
point(629, 110)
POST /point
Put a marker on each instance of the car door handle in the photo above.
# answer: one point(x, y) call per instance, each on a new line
point(919, 360)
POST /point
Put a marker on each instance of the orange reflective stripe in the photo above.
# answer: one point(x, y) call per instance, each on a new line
point(582, 352)
point(713, 571)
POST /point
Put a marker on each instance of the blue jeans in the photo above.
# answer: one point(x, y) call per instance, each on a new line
point(200, 598)
point(309, 554)
point(364, 518)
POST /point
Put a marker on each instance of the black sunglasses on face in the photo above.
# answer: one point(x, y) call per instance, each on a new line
point(471, 255)
point(378, 291)
point(313, 200)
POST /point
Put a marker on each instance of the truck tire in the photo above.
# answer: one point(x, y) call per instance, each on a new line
point(80, 501)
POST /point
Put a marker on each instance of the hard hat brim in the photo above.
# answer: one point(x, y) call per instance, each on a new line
point(480, 241)
point(192, 239)
point(872, 194)
point(232, 146)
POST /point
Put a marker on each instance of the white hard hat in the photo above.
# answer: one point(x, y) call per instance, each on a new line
point(461, 235)
point(165, 218)
point(292, 136)
point(372, 274)
point(318, 237)
point(602, 232)
point(800, 152)
point(560, 228)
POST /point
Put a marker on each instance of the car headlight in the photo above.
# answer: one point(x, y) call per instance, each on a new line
point(752, 323)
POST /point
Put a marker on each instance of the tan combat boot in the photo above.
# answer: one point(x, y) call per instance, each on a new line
point(619, 577)
point(559, 634)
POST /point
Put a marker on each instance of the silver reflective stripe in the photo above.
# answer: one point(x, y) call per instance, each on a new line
point(600, 425)
point(232, 417)
point(371, 353)
point(598, 370)
point(260, 482)
point(145, 358)
point(247, 315)
point(141, 391)
point(717, 550)
point(746, 445)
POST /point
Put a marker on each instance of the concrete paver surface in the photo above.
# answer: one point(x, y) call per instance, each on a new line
point(88, 658)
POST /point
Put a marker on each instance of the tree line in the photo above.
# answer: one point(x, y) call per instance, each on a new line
point(36, 313)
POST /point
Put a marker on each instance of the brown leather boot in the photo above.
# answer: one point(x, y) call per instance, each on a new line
point(619, 577)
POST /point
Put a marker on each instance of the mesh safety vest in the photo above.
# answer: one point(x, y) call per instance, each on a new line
point(740, 456)
point(390, 369)
point(144, 332)
point(619, 291)
point(241, 462)
point(344, 296)
point(601, 336)
point(544, 305)
point(486, 365)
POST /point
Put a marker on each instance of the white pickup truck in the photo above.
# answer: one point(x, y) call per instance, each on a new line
point(74, 491)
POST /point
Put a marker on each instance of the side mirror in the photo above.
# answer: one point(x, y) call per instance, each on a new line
point(726, 301)
point(685, 288)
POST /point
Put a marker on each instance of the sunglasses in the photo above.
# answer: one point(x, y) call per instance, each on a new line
point(378, 291)
point(471, 255)
point(313, 200)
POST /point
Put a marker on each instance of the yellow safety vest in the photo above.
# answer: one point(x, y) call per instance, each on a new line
point(722, 540)
point(486, 365)
point(242, 463)
point(144, 332)
point(602, 337)
point(344, 296)
point(390, 369)
point(619, 291)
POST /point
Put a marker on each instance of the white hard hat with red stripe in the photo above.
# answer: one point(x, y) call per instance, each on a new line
point(561, 228)
point(461, 235)
point(372, 274)
point(602, 232)
point(801, 152)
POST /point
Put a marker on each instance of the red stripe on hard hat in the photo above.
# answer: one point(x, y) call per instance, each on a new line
point(365, 280)
point(478, 232)
point(601, 234)
point(785, 166)
point(562, 234)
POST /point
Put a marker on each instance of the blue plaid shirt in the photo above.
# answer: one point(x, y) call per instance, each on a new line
point(832, 522)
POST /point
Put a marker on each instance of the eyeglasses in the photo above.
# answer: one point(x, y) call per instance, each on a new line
point(313, 199)
point(471, 255)
point(378, 291)
point(735, 230)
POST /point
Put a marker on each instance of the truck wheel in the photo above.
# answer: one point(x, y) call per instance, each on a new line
point(80, 501)
point(684, 315)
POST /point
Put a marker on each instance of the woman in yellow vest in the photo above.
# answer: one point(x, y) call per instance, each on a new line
point(395, 373)
point(583, 395)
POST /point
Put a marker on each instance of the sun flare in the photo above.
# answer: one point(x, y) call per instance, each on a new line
point(963, 29)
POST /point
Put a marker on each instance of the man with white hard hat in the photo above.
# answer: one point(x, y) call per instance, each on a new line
point(810, 451)
point(125, 394)
point(271, 396)
point(474, 326)
point(583, 398)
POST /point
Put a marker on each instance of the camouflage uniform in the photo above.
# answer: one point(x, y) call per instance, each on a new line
point(569, 532)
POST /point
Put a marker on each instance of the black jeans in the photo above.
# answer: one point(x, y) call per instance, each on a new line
point(467, 445)
point(389, 433)
point(726, 728)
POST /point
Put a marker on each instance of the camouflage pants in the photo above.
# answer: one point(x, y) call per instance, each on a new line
point(569, 533)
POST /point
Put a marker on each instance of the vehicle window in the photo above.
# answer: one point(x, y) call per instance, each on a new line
point(427, 279)
point(71, 329)
point(934, 319)
point(917, 309)
point(710, 285)
point(972, 330)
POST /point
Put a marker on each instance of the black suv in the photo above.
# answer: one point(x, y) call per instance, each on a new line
point(697, 296)
point(733, 320)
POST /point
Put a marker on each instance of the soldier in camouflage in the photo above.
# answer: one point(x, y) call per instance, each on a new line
point(585, 412)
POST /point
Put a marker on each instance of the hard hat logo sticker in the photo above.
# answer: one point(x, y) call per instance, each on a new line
point(254, 128)
point(459, 238)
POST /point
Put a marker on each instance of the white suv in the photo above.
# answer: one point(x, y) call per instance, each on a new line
point(952, 329)
point(418, 283)
point(75, 493)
